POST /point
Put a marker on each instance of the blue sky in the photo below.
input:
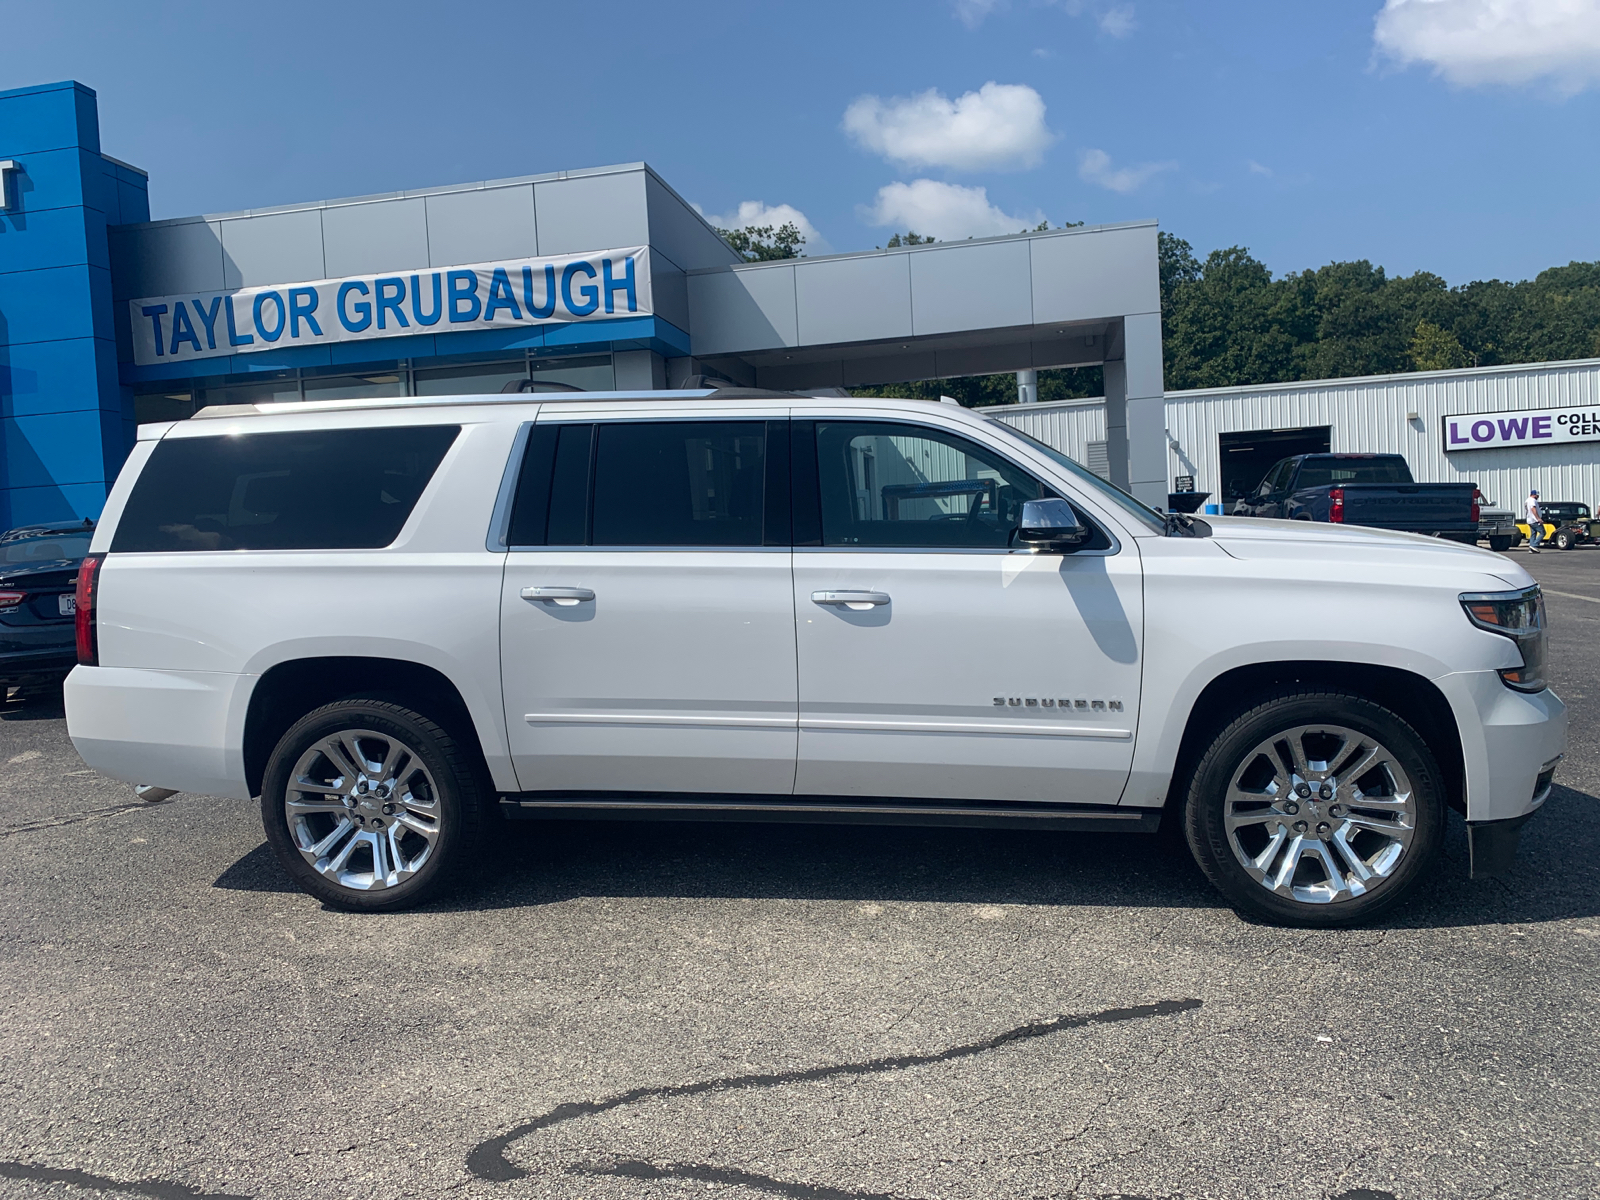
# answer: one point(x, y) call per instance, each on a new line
point(1458, 136)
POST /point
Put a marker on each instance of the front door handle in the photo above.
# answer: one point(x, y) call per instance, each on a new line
point(565, 596)
point(855, 601)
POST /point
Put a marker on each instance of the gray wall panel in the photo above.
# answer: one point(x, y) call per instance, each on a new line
point(592, 212)
point(890, 368)
point(361, 239)
point(670, 289)
point(801, 375)
point(732, 312)
point(983, 286)
point(481, 226)
point(679, 233)
point(853, 299)
point(274, 248)
point(1103, 273)
point(165, 260)
point(986, 360)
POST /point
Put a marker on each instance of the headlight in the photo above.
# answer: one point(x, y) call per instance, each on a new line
point(1520, 617)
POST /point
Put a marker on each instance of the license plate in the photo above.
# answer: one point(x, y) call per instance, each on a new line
point(68, 605)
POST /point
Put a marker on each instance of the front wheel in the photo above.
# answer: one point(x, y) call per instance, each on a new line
point(1501, 543)
point(370, 806)
point(1315, 809)
point(1565, 540)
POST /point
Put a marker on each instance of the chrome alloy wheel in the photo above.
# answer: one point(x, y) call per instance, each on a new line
point(1320, 814)
point(363, 810)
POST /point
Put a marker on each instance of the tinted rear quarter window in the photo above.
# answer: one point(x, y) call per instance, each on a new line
point(1327, 472)
point(335, 489)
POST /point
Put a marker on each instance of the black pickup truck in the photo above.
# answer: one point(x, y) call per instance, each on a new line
point(1364, 489)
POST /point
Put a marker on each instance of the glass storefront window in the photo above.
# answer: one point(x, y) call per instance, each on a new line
point(356, 387)
point(256, 391)
point(592, 373)
point(150, 407)
point(469, 379)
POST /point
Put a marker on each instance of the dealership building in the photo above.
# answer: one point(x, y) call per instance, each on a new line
point(605, 279)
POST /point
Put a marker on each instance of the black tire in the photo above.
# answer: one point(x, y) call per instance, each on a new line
point(442, 794)
point(1565, 540)
point(1501, 544)
point(1236, 751)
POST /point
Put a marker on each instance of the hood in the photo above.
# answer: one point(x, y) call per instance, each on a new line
point(1256, 538)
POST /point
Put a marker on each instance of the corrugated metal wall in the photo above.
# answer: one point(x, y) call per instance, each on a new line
point(1367, 415)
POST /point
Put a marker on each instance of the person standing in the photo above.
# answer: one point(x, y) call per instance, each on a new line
point(1530, 508)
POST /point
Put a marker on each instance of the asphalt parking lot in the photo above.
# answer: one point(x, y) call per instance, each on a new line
point(827, 1014)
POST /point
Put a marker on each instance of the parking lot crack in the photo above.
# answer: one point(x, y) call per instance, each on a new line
point(488, 1159)
point(704, 1173)
point(92, 814)
point(160, 1189)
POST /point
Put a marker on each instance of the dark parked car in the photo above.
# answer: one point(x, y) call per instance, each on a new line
point(38, 578)
point(1364, 489)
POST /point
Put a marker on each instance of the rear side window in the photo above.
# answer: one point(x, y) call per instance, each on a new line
point(1327, 472)
point(652, 483)
point(335, 489)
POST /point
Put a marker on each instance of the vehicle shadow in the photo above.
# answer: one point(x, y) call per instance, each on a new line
point(532, 863)
point(41, 702)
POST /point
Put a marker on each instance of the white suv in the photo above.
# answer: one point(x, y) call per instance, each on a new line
point(398, 621)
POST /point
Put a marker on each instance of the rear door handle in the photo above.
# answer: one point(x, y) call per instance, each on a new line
point(565, 596)
point(855, 601)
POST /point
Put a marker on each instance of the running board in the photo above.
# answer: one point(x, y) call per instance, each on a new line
point(829, 810)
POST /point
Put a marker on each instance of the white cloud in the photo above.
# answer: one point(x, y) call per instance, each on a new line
point(1256, 168)
point(754, 212)
point(972, 12)
point(999, 125)
point(1118, 22)
point(945, 211)
point(1095, 167)
point(1496, 41)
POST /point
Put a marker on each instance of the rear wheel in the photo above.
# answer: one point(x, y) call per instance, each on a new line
point(370, 806)
point(1315, 809)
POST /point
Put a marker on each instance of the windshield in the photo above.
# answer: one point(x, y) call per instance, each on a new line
point(1326, 472)
point(1147, 517)
point(48, 548)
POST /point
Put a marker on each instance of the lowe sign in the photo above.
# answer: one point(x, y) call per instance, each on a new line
point(1525, 427)
point(497, 295)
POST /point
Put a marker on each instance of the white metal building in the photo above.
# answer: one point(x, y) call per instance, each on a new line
point(1227, 438)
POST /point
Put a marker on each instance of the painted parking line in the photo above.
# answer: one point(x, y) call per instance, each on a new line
point(1571, 596)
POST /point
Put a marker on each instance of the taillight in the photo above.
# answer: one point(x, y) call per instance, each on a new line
point(88, 635)
point(1336, 505)
point(12, 599)
point(1477, 505)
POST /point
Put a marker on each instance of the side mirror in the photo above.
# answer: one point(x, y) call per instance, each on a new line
point(1051, 525)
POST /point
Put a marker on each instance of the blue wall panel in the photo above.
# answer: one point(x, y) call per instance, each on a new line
point(65, 417)
point(49, 236)
point(50, 377)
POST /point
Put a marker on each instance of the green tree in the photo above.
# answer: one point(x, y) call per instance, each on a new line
point(764, 243)
point(1436, 349)
point(907, 239)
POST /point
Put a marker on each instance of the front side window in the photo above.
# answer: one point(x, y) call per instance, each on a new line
point(325, 489)
point(893, 485)
point(644, 483)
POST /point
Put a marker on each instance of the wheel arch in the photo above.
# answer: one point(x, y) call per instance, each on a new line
point(289, 690)
point(1411, 696)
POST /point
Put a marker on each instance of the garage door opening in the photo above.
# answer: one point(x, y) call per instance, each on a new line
point(1245, 458)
